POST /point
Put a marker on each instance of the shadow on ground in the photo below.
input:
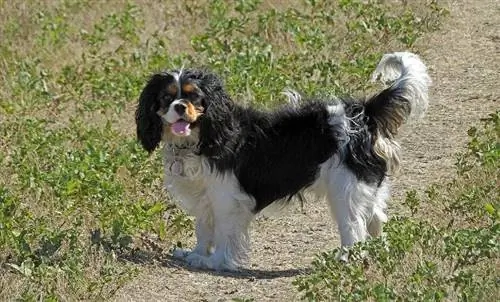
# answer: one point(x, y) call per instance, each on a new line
point(143, 257)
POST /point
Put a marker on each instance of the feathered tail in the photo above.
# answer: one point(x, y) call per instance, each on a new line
point(404, 100)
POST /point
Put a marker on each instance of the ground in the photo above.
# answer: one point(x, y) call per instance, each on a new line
point(464, 60)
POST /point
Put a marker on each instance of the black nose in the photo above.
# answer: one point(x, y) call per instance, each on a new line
point(180, 108)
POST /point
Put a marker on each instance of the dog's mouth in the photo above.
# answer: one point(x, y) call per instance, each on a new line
point(181, 128)
point(180, 118)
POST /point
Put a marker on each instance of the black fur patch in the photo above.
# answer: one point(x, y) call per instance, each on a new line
point(360, 156)
point(149, 124)
point(275, 155)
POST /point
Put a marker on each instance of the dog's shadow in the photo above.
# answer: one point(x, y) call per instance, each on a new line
point(242, 273)
point(167, 260)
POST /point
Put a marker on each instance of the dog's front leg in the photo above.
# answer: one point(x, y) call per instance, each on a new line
point(231, 219)
point(204, 237)
point(232, 241)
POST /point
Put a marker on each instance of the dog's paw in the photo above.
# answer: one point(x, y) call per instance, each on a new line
point(345, 255)
point(197, 261)
point(180, 253)
point(211, 262)
point(342, 255)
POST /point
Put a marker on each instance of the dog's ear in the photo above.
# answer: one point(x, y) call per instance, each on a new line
point(217, 124)
point(149, 124)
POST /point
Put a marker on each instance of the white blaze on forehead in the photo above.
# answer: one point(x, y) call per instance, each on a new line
point(178, 126)
point(172, 116)
point(177, 77)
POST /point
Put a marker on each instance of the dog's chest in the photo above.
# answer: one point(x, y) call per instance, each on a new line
point(184, 176)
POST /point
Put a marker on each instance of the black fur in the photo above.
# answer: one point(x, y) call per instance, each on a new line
point(359, 154)
point(149, 124)
point(388, 110)
point(274, 155)
point(278, 154)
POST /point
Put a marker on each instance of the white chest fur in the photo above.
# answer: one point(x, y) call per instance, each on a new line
point(184, 179)
point(196, 187)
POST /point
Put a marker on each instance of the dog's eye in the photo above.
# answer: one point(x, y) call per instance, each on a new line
point(193, 95)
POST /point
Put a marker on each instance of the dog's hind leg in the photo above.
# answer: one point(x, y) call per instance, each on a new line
point(351, 203)
point(379, 216)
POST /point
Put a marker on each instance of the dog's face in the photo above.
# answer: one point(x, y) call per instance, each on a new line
point(181, 104)
point(174, 103)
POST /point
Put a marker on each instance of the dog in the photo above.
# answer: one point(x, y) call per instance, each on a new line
point(225, 162)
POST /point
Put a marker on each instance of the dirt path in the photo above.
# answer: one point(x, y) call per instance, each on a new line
point(464, 60)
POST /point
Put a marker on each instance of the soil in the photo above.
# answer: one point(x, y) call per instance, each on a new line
point(464, 62)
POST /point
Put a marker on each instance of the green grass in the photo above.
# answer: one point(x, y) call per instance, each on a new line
point(78, 195)
point(447, 249)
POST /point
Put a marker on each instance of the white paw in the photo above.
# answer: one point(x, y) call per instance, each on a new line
point(180, 253)
point(211, 262)
point(342, 255)
point(196, 260)
point(222, 265)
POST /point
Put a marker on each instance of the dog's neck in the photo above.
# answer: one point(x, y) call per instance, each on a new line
point(175, 144)
point(177, 149)
point(180, 156)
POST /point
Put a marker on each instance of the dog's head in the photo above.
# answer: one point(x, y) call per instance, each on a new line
point(177, 104)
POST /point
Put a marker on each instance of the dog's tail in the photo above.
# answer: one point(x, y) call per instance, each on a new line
point(404, 100)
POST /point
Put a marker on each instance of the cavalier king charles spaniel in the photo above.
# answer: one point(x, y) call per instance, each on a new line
point(225, 162)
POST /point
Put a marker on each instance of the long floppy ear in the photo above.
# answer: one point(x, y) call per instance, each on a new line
point(149, 124)
point(217, 124)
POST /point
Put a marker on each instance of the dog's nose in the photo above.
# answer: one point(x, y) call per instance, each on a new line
point(180, 108)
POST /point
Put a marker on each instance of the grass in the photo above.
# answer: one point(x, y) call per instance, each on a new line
point(79, 198)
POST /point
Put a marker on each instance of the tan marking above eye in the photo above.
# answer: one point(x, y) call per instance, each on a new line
point(188, 88)
point(172, 89)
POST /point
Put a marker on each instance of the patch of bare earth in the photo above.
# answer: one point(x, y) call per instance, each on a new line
point(464, 62)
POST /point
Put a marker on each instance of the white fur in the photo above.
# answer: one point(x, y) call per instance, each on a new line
point(177, 76)
point(293, 97)
point(405, 71)
point(354, 204)
point(388, 149)
point(172, 116)
point(224, 213)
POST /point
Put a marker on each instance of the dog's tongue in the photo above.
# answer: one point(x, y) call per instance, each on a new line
point(180, 128)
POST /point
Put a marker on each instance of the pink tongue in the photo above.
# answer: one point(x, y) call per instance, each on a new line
point(180, 128)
